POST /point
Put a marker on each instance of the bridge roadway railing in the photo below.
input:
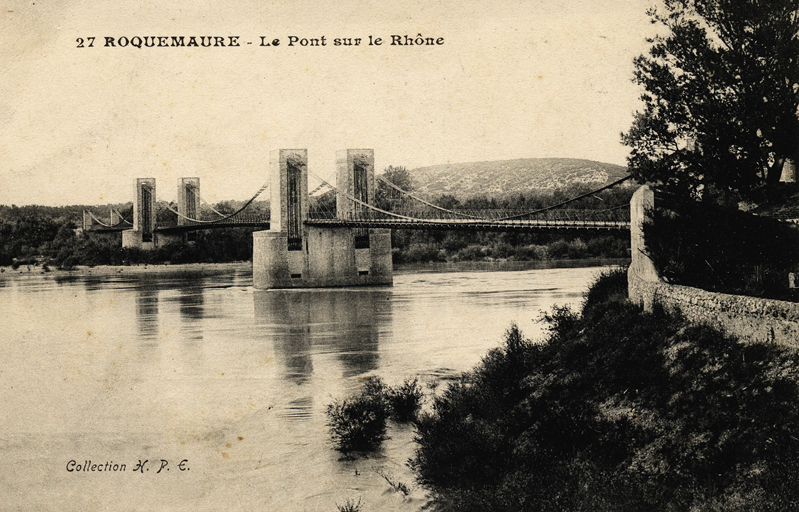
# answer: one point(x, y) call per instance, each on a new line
point(193, 225)
point(490, 219)
point(497, 220)
point(573, 215)
point(110, 229)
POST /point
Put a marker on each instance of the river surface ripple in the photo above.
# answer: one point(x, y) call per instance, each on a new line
point(233, 381)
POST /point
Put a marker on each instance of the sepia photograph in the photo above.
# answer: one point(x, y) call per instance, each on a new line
point(528, 255)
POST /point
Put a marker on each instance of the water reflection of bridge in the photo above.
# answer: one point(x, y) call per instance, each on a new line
point(304, 322)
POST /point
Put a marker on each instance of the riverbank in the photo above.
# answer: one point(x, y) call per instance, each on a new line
point(619, 409)
point(114, 270)
point(507, 265)
point(31, 271)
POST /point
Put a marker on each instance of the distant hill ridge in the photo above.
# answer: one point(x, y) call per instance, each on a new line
point(502, 177)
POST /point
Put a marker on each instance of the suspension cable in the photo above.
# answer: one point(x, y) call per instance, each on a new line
point(108, 225)
point(202, 199)
point(390, 214)
point(566, 201)
point(320, 187)
point(619, 207)
point(428, 221)
point(425, 202)
point(98, 221)
point(248, 203)
point(121, 218)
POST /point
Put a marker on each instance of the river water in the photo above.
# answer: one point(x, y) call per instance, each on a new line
point(224, 388)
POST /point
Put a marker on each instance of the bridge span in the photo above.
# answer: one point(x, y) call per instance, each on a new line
point(351, 246)
point(523, 226)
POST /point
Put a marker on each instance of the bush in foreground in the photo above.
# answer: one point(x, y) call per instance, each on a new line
point(404, 401)
point(350, 506)
point(618, 410)
point(359, 423)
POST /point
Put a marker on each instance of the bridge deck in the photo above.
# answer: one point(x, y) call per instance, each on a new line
point(218, 225)
point(475, 225)
point(476, 220)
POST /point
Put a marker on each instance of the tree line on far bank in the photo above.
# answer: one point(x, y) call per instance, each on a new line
point(31, 235)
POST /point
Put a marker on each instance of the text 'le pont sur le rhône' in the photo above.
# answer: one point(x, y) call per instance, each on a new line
point(262, 41)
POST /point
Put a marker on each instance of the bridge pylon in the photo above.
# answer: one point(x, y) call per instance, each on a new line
point(188, 205)
point(143, 235)
point(188, 200)
point(88, 221)
point(292, 254)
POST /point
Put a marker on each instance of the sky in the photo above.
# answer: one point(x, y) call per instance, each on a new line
point(512, 79)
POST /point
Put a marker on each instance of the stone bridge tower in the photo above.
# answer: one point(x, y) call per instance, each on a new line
point(292, 254)
point(188, 199)
point(142, 235)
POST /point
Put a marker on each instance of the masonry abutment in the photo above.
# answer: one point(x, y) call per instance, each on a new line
point(642, 270)
point(752, 319)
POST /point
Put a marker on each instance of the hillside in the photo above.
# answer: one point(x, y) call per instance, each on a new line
point(503, 177)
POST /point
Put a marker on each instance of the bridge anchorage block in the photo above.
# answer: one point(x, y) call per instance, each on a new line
point(294, 254)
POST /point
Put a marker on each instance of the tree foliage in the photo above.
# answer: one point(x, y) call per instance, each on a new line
point(722, 90)
point(386, 197)
point(728, 252)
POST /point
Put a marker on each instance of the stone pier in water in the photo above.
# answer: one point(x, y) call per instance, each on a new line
point(292, 254)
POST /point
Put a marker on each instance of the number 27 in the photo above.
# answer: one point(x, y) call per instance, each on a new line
point(89, 39)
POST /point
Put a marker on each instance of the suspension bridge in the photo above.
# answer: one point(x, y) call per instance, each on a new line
point(301, 245)
point(421, 215)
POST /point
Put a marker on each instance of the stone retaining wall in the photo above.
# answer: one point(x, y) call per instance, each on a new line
point(750, 318)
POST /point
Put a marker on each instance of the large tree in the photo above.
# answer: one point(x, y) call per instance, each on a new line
point(721, 94)
point(388, 198)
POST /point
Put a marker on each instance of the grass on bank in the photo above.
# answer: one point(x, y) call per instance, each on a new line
point(618, 410)
point(350, 505)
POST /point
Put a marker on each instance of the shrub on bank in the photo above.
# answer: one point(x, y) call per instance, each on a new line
point(618, 410)
point(404, 401)
point(359, 423)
